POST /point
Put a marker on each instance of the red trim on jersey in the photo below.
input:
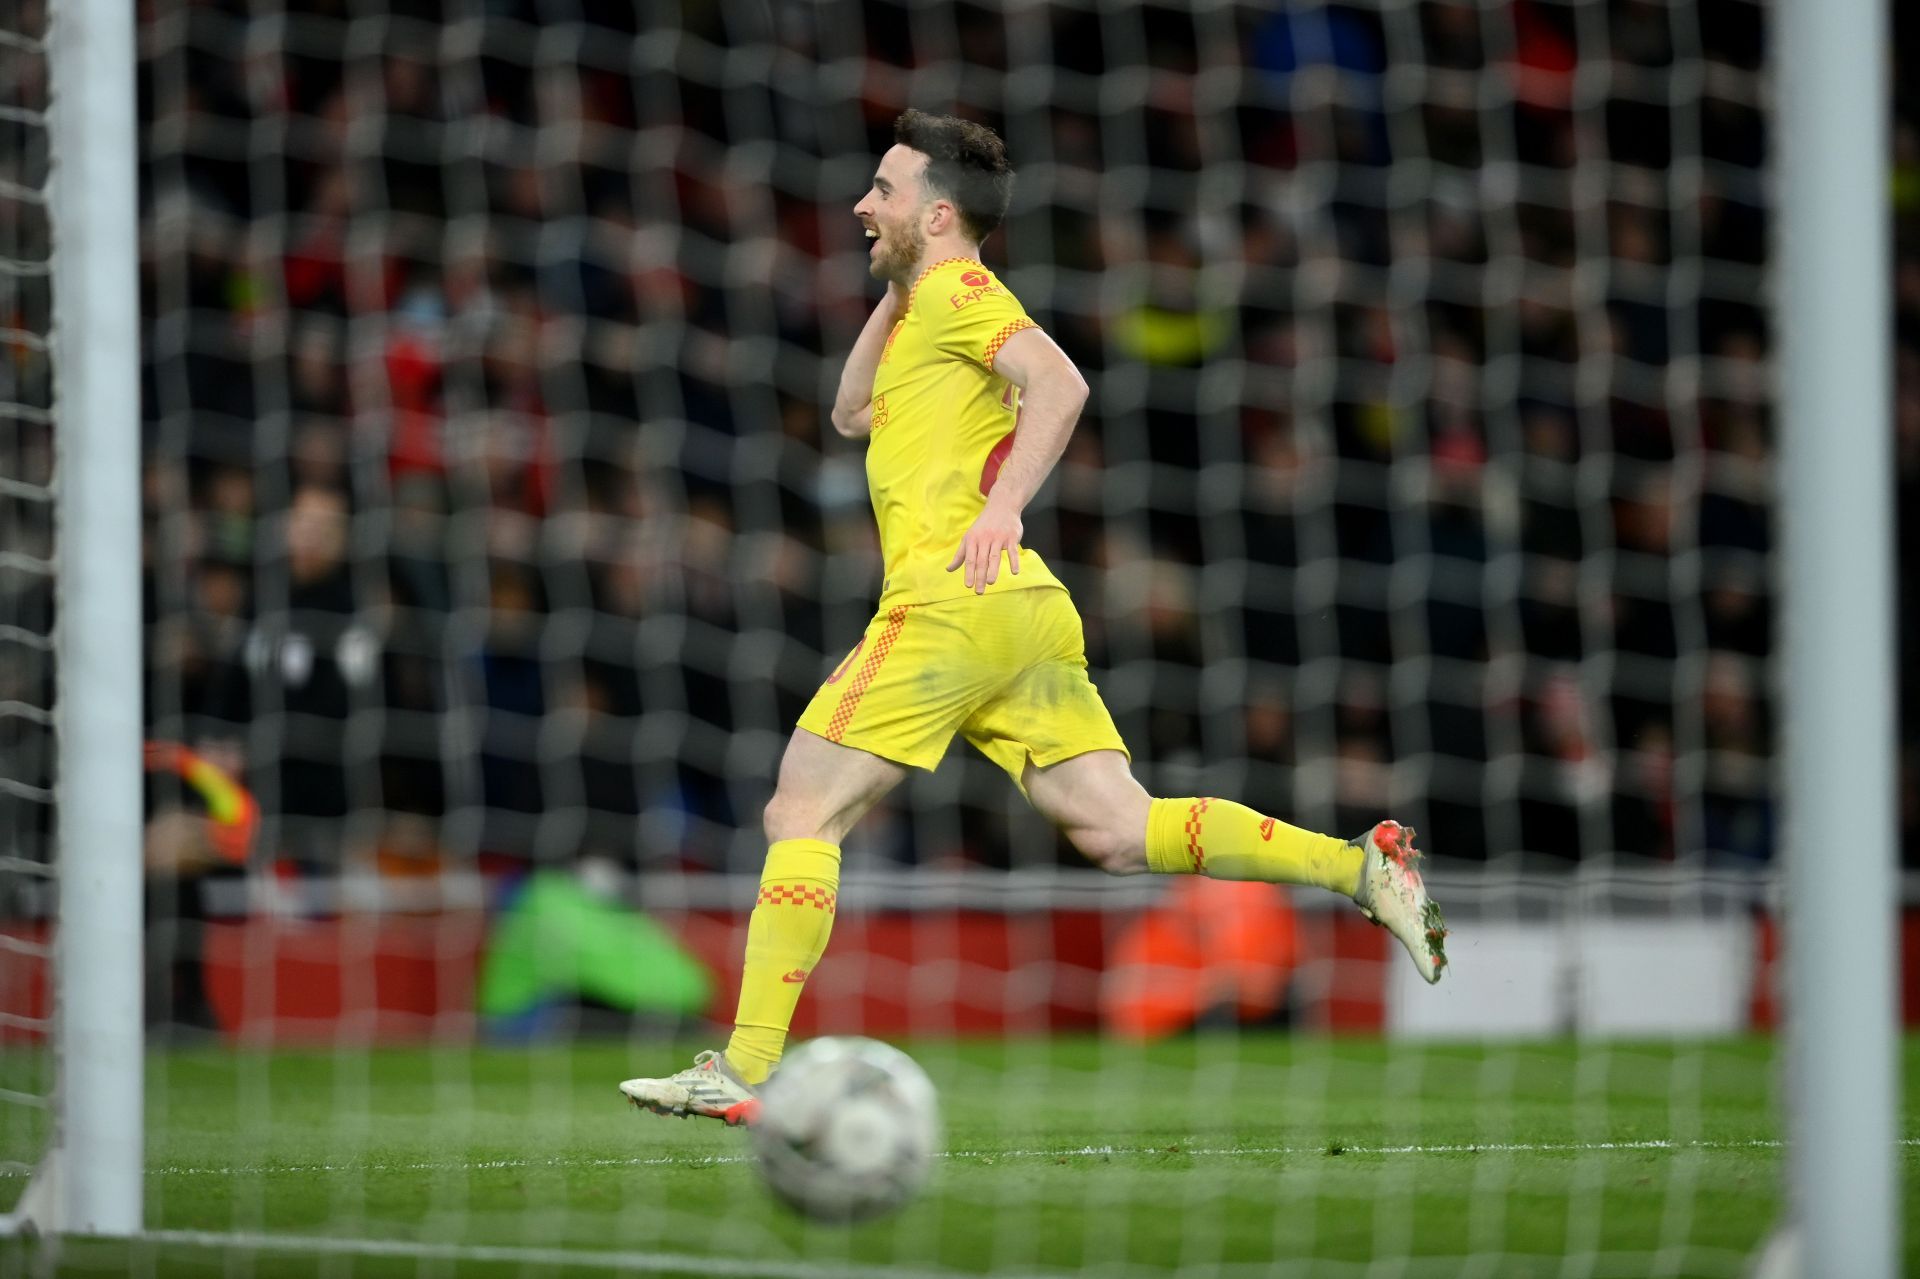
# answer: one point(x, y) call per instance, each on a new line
point(912, 292)
point(996, 458)
point(1000, 340)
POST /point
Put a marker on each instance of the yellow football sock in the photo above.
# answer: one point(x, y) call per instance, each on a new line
point(1224, 840)
point(786, 935)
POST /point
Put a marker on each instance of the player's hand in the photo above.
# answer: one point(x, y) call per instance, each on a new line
point(995, 532)
point(894, 304)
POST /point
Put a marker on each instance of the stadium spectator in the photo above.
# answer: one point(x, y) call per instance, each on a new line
point(525, 287)
point(308, 662)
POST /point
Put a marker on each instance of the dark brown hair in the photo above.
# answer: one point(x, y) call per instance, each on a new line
point(966, 163)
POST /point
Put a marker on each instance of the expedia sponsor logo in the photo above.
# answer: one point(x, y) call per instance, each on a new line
point(967, 297)
point(975, 279)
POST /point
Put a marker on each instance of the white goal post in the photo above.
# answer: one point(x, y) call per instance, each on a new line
point(1840, 681)
point(90, 1180)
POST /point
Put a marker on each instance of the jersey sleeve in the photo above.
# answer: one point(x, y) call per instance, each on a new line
point(970, 315)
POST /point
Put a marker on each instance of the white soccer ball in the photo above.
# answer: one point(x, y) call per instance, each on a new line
point(847, 1130)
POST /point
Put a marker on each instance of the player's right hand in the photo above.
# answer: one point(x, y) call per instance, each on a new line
point(995, 533)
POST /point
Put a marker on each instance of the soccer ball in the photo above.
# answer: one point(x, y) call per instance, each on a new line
point(847, 1129)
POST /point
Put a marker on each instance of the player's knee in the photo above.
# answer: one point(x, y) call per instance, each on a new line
point(792, 817)
point(1114, 851)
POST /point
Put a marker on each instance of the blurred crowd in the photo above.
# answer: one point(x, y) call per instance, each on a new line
point(1429, 469)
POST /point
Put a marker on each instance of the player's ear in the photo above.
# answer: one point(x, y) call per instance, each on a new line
point(942, 217)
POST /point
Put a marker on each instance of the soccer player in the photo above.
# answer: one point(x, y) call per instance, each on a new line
point(965, 405)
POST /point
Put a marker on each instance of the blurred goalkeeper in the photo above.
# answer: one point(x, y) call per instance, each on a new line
point(966, 404)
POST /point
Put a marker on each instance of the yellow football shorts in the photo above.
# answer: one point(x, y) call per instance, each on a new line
point(1008, 670)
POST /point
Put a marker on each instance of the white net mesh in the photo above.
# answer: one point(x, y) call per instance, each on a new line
point(497, 539)
point(26, 595)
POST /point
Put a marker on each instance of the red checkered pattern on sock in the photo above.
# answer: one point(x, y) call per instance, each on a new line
point(1195, 853)
point(797, 895)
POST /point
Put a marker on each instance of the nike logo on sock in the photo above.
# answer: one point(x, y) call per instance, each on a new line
point(1266, 829)
point(796, 976)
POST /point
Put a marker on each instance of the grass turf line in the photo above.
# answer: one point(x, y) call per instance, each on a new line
point(1070, 1153)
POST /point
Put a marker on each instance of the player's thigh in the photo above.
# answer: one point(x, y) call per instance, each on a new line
point(824, 788)
point(1049, 710)
point(905, 688)
point(1096, 802)
point(1052, 733)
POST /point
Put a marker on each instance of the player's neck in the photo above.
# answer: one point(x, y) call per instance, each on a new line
point(944, 249)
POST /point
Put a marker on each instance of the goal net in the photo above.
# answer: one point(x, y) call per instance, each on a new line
point(496, 537)
point(26, 601)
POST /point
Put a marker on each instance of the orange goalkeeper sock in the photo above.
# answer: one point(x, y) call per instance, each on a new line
point(1224, 840)
point(786, 935)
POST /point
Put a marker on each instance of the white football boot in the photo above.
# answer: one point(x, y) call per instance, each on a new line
point(1392, 895)
point(708, 1088)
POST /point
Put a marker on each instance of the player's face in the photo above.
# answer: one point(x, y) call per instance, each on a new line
point(892, 211)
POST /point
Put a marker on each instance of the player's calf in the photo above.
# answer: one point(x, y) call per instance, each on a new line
point(1115, 851)
point(1098, 806)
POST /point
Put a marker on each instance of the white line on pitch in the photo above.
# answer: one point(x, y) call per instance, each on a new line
point(629, 1261)
point(1073, 1152)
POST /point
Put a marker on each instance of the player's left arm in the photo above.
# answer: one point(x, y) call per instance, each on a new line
point(1052, 393)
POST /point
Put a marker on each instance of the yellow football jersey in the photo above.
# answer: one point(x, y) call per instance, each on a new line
point(943, 423)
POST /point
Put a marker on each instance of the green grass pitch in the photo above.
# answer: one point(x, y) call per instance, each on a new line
point(1221, 1154)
